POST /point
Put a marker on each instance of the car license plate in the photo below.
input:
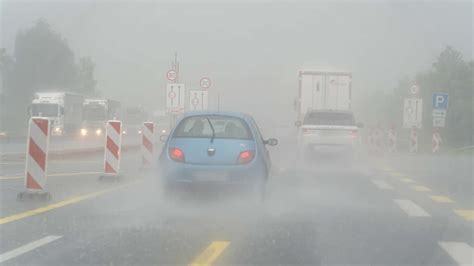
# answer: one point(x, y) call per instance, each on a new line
point(210, 177)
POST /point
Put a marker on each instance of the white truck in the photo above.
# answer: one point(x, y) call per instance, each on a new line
point(63, 109)
point(96, 114)
point(323, 90)
point(325, 121)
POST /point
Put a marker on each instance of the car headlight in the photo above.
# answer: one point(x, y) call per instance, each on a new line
point(124, 132)
point(139, 132)
point(98, 132)
point(58, 130)
point(83, 131)
point(163, 131)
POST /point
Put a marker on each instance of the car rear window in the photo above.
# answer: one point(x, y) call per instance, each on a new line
point(224, 126)
point(329, 118)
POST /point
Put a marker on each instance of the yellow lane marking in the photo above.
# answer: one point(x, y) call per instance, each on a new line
point(81, 173)
point(10, 177)
point(387, 168)
point(442, 199)
point(54, 162)
point(466, 214)
point(210, 254)
point(60, 204)
point(62, 161)
point(421, 188)
point(407, 180)
point(53, 175)
point(397, 174)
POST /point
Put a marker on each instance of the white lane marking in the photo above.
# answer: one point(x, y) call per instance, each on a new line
point(460, 252)
point(410, 208)
point(27, 248)
point(382, 184)
point(10, 163)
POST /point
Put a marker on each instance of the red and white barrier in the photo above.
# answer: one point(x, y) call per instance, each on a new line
point(113, 143)
point(36, 159)
point(378, 140)
point(414, 140)
point(148, 139)
point(372, 139)
point(436, 142)
point(37, 154)
point(392, 140)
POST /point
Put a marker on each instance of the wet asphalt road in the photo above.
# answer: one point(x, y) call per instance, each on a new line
point(372, 210)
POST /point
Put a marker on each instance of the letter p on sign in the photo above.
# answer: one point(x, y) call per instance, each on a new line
point(440, 101)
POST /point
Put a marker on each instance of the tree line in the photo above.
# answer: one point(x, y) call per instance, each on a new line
point(41, 61)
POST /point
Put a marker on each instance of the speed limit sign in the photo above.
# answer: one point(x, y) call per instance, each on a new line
point(205, 83)
point(414, 89)
point(171, 75)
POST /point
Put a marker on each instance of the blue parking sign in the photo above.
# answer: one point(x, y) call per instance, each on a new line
point(440, 101)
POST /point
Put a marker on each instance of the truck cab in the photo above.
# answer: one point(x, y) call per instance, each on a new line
point(63, 109)
point(96, 113)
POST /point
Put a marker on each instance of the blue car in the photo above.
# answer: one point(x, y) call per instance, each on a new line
point(208, 149)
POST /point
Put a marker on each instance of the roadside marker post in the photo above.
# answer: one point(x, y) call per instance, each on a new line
point(112, 153)
point(371, 140)
point(414, 140)
point(436, 142)
point(378, 140)
point(148, 143)
point(36, 160)
point(392, 140)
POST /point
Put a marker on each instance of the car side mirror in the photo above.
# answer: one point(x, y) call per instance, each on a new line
point(360, 125)
point(271, 142)
point(298, 123)
point(163, 138)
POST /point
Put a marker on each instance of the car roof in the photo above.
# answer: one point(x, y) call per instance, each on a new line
point(223, 113)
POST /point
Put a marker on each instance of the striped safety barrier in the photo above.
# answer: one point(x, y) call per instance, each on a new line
point(113, 143)
point(147, 147)
point(37, 158)
point(414, 140)
point(392, 140)
point(436, 142)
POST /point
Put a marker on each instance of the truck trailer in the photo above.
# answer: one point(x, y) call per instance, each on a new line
point(323, 90)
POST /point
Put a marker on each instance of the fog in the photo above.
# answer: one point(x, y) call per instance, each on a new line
point(250, 50)
point(371, 165)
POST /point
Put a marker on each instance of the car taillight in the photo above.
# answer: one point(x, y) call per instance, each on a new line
point(246, 157)
point(176, 154)
point(354, 134)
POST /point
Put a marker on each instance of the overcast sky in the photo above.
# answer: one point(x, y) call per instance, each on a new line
point(250, 50)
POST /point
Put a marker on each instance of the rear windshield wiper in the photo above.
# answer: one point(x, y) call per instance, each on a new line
point(212, 128)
